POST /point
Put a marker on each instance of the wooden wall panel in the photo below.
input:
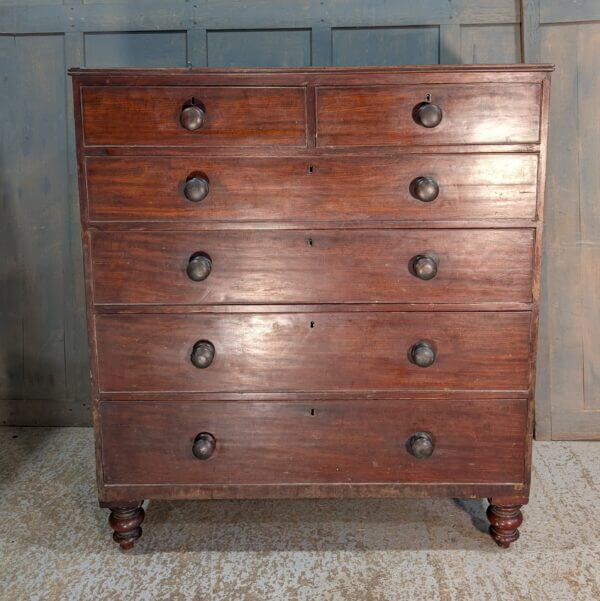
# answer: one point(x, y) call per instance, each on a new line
point(386, 46)
point(136, 49)
point(34, 239)
point(43, 360)
point(568, 387)
point(487, 44)
point(260, 48)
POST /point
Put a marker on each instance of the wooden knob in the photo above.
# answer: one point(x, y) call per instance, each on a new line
point(421, 445)
point(199, 267)
point(196, 188)
point(428, 114)
point(203, 354)
point(424, 188)
point(422, 353)
point(424, 266)
point(204, 445)
point(192, 117)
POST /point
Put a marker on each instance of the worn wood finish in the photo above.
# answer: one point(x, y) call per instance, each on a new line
point(568, 392)
point(310, 282)
point(302, 266)
point(235, 116)
point(264, 443)
point(246, 189)
point(294, 352)
point(472, 114)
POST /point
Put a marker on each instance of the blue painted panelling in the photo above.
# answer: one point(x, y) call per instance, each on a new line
point(136, 49)
point(274, 48)
point(386, 46)
point(488, 44)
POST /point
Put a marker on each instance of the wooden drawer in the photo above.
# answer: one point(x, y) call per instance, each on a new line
point(482, 113)
point(234, 116)
point(318, 351)
point(312, 189)
point(324, 442)
point(322, 266)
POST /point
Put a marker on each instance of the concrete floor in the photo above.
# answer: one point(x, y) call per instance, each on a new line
point(55, 543)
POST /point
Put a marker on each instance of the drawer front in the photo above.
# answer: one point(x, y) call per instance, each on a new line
point(312, 189)
point(324, 266)
point(233, 116)
point(325, 442)
point(483, 113)
point(287, 352)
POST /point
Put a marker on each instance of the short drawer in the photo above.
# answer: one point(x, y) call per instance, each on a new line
point(229, 116)
point(322, 266)
point(343, 188)
point(482, 113)
point(316, 351)
point(174, 442)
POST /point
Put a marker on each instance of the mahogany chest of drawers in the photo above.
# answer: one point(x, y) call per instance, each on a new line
point(312, 282)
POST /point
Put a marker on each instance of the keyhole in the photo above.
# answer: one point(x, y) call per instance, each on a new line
point(310, 241)
point(311, 169)
point(427, 97)
point(312, 411)
point(312, 324)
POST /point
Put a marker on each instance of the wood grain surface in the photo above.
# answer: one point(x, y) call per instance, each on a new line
point(240, 116)
point(302, 266)
point(314, 188)
point(301, 442)
point(472, 114)
point(313, 351)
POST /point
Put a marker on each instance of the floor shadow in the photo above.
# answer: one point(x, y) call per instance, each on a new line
point(476, 509)
point(262, 526)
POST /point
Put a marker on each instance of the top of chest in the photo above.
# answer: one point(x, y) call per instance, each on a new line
point(317, 107)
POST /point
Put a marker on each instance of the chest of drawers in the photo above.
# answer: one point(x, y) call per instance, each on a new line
point(312, 282)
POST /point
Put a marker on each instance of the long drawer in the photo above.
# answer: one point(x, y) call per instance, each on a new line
point(322, 266)
point(317, 188)
point(233, 115)
point(481, 113)
point(325, 442)
point(320, 351)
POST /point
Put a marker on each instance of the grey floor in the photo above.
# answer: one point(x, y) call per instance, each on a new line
point(55, 543)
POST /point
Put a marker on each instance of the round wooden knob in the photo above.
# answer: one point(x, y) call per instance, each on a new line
point(203, 354)
point(421, 445)
point(192, 117)
point(422, 353)
point(199, 267)
point(196, 188)
point(428, 114)
point(424, 189)
point(204, 445)
point(424, 266)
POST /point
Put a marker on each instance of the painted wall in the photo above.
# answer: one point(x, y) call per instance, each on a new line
point(43, 357)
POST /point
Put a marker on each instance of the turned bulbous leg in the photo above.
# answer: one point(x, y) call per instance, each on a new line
point(505, 520)
point(125, 520)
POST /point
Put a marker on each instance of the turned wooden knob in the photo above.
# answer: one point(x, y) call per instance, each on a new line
point(428, 114)
point(199, 267)
point(204, 445)
point(192, 117)
point(422, 353)
point(424, 266)
point(424, 188)
point(421, 445)
point(196, 188)
point(203, 354)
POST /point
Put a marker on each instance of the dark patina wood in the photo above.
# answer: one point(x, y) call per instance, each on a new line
point(282, 262)
point(313, 266)
point(338, 188)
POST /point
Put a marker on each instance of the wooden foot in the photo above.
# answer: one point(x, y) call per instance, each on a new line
point(125, 520)
point(505, 519)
